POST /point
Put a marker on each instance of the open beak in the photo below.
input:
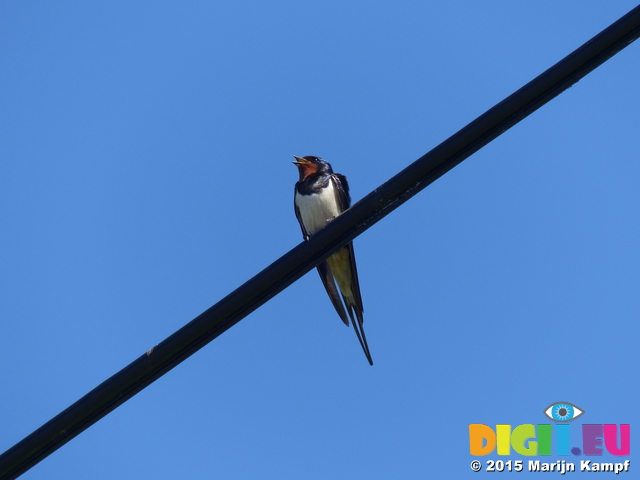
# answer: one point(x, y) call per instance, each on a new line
point(300, 161)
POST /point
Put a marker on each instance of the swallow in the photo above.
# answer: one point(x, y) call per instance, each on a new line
point(320, 196)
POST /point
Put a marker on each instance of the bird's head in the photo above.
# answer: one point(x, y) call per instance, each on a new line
point(310, 165)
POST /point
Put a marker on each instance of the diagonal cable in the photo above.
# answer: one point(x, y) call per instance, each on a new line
point(287, 269)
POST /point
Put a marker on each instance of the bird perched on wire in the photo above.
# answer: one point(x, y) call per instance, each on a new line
point(320, 196)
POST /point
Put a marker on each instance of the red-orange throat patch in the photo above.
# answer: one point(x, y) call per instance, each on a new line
point(306, 168)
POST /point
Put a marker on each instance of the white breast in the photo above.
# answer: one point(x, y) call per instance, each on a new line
point(316, 209)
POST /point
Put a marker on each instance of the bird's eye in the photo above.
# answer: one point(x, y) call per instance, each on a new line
point(563, 412)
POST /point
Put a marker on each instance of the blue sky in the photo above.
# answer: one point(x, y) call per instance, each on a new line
point(145, 173)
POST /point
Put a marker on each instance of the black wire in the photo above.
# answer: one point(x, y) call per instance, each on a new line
point(383, 200)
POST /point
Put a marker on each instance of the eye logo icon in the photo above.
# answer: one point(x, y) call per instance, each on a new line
point(563, 412)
